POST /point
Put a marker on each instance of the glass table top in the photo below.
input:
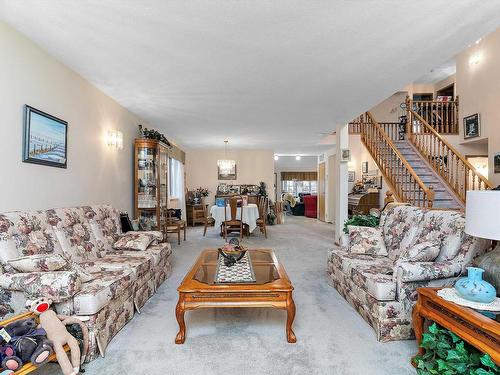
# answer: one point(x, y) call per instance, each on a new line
point(262, 262)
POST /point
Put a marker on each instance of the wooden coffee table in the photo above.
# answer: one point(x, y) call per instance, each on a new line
point(272, 289)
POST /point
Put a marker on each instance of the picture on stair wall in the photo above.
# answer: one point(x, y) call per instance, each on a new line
point(45, 139)
point(471, 126)
point(496, 162)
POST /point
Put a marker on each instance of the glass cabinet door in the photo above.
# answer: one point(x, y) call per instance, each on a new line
point(147, 194)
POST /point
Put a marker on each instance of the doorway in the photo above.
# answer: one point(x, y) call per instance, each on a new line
point(321, 191)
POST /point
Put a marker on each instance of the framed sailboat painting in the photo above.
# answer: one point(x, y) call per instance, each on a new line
point(45, 138)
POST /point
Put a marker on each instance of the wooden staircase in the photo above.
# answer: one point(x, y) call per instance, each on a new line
point(421, 167)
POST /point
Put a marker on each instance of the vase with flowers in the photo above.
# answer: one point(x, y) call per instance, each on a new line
point(200, 194)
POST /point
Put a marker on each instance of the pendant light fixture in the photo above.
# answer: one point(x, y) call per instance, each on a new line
point(226, 166)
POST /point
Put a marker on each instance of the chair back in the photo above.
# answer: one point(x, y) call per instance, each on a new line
point(233, 208)
point(262, 205)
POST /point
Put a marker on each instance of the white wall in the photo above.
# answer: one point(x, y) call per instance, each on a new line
point(390, 109)
point(478, 90)
point(253, 166)
point(289, 164)
point(95, 173)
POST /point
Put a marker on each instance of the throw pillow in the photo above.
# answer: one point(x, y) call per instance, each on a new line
point(366, 240)
point(422, 252)
point(134, 241)
point(38, 263)
point(8, 251)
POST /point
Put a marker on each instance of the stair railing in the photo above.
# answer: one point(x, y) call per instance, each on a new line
point(442, 116)
point(455, 170)
point(405, 183)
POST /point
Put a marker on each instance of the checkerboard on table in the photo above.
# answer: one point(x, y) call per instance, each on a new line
point(241, 272)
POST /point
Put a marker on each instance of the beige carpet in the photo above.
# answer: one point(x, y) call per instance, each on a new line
point(332, 337)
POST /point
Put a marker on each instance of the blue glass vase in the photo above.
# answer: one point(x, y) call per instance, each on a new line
point(474, 288)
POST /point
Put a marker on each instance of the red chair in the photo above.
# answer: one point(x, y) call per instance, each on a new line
point(311, 206)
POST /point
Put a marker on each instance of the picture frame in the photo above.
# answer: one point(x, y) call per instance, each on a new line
point(496, 162)
point(364, 167)
point(345, 155)
point(351, 176)
point(45, 139)
point(230, 176)
point(472, 126)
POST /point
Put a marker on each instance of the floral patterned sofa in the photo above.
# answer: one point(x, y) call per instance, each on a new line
point(381, 285)
point(101, 285)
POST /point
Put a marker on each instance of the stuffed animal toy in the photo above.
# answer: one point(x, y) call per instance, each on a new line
point(55, 326)
point(8, 358)
point(6, 372)
point(31, 344)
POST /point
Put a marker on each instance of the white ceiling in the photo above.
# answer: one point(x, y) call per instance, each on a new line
point(439, 73)
point(264, 74)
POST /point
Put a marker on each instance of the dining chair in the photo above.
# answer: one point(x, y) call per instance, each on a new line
point(174, 225)
point(261, 221)
point(278, 211)
point(209, 220)
point(233, 224)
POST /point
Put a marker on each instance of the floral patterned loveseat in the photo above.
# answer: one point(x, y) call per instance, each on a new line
point(101, 285)
point(382, 288)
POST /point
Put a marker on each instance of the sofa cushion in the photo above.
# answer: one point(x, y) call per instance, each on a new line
point(134, 241)
point(26, 233)
point(421, 252)
point(400, 228)
point(105, 222)
point(158, 252)
point(376, 280)
point(107, 285)
point(366, 240)
point(38, 263)
point(139, 265)
point(56, 285)
point(75, 235)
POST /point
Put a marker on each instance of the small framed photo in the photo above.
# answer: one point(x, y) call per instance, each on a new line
point(364, 167)
point(472, 126)
point(45, 139)
point(496, 162)
point(345, 155)
point(351, 176)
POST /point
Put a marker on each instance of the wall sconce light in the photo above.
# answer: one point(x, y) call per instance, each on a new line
point(114, 139)
point(475, 58)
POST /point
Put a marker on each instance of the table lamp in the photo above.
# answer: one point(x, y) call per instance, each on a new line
point(482, 214)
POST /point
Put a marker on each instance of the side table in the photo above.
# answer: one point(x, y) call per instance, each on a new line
point(471, 326)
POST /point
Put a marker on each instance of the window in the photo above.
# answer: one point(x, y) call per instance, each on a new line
point(295, 187)
point(176, 179)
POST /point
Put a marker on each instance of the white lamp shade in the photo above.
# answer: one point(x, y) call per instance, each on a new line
point(482, 214)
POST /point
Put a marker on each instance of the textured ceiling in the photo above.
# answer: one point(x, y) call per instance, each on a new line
point(265, 74)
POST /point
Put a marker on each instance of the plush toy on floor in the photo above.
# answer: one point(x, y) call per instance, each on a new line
point(55, 327)
point(8, 358)
point(6, 372)
point(30, 343)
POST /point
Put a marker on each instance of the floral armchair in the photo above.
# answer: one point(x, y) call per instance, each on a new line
point(377, 270)
point(73, 261)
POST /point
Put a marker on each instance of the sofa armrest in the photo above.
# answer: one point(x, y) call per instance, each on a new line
point(344, 241)
point(56, 285)
point(425, 271)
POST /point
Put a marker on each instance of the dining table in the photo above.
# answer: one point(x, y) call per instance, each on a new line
point(250, 215)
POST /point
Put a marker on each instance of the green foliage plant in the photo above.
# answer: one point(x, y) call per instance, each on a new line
point(447, 354)
point(362, 221)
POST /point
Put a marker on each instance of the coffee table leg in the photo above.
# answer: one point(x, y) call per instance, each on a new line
point(179, 314)
point(290, 316)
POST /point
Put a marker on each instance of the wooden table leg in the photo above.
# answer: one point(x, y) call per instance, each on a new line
point(179, 314)
point(290, 316)
point(418, 324)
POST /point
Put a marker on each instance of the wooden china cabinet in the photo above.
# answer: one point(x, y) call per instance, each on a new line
point(151, 182)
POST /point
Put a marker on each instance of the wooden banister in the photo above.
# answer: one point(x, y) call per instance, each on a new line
point(441, 115)
point(405, 183)
point(456, 171)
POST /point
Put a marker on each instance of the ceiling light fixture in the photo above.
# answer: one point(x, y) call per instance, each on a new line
point(276, 157)
point(226, 166)
point(298, 157)
point(478, 41)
